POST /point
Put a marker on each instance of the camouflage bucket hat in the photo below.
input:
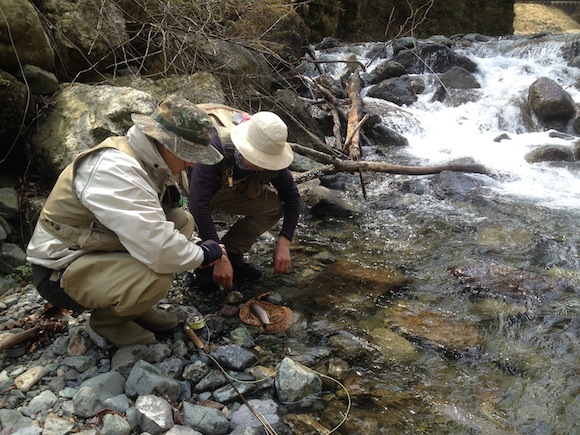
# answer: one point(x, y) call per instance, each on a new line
point(183, 128)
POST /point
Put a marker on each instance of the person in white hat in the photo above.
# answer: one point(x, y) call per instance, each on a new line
point(253, 180)
point(112, 232)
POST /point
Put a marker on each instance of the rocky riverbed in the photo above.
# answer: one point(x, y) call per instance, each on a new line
point(67, 379)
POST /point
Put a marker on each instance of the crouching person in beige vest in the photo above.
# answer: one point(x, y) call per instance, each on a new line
point(112, 232)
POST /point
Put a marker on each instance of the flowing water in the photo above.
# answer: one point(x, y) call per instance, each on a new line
point(522, 373)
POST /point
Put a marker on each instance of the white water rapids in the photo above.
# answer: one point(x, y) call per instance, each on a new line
point(438, 132)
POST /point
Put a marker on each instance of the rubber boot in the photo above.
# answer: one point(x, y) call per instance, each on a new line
point(121, 331)
point(157, 321)
point(204, 280)
point(244, 271)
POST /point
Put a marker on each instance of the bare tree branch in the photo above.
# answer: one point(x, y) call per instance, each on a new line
point(334, 165)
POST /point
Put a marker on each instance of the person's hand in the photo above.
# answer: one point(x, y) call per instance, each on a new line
point(223, 273)
point(282, 260)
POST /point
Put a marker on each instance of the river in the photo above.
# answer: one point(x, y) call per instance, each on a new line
point(492, 260)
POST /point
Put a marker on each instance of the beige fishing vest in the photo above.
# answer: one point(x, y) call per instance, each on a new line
point(223, 118)
point(66, 219)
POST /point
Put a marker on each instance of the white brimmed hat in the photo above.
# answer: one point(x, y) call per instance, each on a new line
point(183, 128)
point(262, 141)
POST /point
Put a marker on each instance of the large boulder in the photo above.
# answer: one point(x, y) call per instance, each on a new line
point(89, 35)
point(82, 117)
point(13, 112)
point(246, 71)
point(553, 106)
point(435, 58)
point(22, 38)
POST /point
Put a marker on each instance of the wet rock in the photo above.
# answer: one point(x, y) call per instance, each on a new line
point(341, 284)
point(358, 422)
point(393, 346)
point(326, 202)
point(386, 70)
point(234, 357)
point(436, 58)
point(458, 78)
point(348, 346)
point(501, 281)
point(268, 409)
point(551, 103)
point(396, 90)
point(295, 382)
point(550, 153)
point(405, 43)
point(516, 358)
point(442, 331)
point(386, 136)
point(304, 423)
point(489, 309)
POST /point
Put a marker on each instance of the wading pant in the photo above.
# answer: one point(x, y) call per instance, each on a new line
point(109, 279)
point(261, 212)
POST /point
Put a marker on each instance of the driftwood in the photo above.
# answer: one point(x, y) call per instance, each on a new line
point(332, 165)
point(334, 103)
point(352, 145)
point(15, 339)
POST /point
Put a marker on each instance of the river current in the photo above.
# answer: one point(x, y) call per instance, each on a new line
point(523, 373)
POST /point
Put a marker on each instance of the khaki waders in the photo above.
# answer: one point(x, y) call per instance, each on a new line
point(122, 291)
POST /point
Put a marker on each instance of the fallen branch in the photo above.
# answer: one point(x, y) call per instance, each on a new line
point(15, 339)
point(334, 165)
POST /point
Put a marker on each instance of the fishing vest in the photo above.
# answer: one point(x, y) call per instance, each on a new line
point(224, 118)
point(65, 218)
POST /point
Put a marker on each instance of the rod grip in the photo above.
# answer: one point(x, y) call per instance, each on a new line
point(193, 337)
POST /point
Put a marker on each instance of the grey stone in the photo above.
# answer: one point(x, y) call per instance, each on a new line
point(114, 424)
point(42, 402)
point(295, 382)
point(93, 392)
point(148, 379)
point(208, 421)
point(155, 414)
point(234, 357)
